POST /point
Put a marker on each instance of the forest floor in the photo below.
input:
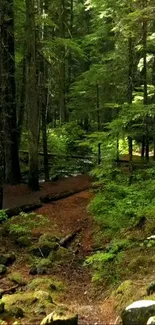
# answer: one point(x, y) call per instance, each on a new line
point(65, 216)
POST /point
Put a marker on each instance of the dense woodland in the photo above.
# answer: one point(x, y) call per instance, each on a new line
point(82, 66)
point(77, 95)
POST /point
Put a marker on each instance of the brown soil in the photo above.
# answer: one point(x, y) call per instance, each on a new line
point(66, 216)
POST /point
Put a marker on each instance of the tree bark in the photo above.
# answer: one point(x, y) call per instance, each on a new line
point(62, 72)
point(145, 101)
point(12, 169)
point(32, 96)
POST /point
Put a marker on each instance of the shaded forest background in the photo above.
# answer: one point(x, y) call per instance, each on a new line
point(75, 72)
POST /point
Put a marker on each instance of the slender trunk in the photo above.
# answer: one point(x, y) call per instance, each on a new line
point(144, 31)
point(22, 104)
point(32, 97)
point(153, 82)
point(98, 107)
point(62, 72)
point(44, 139)
point(130, 89)
point(12, 169)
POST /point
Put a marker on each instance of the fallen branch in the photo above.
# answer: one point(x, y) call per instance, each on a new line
point(23, 208)
point(59, 196)
point(66, 241)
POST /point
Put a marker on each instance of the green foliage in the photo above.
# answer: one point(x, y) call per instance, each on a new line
point(3, 215)
point(24, 223)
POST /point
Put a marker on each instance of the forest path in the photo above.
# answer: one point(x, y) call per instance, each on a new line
point(66, 216)
point(89, 302)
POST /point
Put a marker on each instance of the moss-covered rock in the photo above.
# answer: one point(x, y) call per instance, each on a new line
point(7, 259)
point(23, 241)
point(43, 296)
point(3, 269)
point(61, 256)
point(17, 278)
point(138, 313)
point(43, 266)
point(45, 284)
point(46, 244)
point(58, 319)
point(16, 312)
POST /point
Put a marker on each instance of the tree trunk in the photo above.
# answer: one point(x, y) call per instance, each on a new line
point(144, 31)
point(1, 121)
point(20, 118)
point(12, 169)
point(130, 89)
point(32, 96)
point(62, 72)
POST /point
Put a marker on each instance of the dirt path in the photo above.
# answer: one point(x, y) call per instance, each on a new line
point(80, 295)
point(66, 216)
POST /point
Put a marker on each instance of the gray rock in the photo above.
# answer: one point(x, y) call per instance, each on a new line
point(1, 307)
point(3, 269)
point(151, 321)
point(138, 313)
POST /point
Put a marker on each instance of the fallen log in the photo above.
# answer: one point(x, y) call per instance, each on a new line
point(58, 196)
point(23, 208)
point(66, 241)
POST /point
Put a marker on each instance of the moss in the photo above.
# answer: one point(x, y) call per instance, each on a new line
point(127, 292)
point(24, 241)
point(44, 283)
point(16, 277)
point(29, 301)
point(45, 262)
point(61, 256)
point(141, 262)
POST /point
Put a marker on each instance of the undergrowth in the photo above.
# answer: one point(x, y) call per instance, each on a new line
point(126, 213)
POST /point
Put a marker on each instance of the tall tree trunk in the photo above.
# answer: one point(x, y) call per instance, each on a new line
point(1, 120)
point(153, 82)
point(130, 89)
point(21, 113)
point(62, 70)
point(12, 169)
point(32, 96)
point(144, 35)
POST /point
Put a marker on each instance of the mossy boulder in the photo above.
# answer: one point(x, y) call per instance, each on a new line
point(43, 266)
point(3, 269)
point(56, 318)
point(7, 259)
point(61, 256)
point(138, 312)
point(43, 296)
point(23, 241)
point(16, 312)
point(17, 278)
point(45, 284)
